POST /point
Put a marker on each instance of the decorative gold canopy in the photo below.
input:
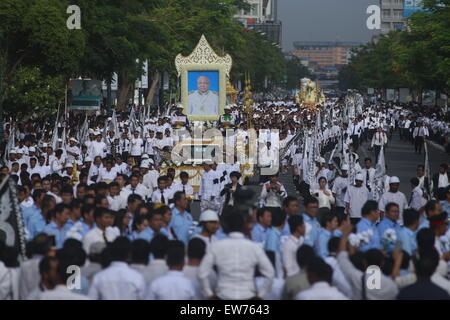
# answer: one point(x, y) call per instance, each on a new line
point(203, 54)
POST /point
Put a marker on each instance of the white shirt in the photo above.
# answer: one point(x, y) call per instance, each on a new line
point(443, 180)
point(235, 258)
point(339, 188)
point(398, 198)
point(61, 292)
point(273, 198)
point(189, 191)
point(417, 200)
point(96, 235)
point(379, 139)
point(289, 254)
point(117, 282)
point(137, 146)
point(97, 149)
point(140, 189)
point(356, 197)
point(324, 200)
point(174, 285)
point(151, 180)
point(157, 196)
point(339, 279)
point(104, 174)
point(320, 291)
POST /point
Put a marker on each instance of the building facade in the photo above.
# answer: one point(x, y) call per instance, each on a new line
point(325, 53)
point(262, 18)
point(392, 17)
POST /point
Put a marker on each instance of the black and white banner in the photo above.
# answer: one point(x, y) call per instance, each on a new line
point(11, 225)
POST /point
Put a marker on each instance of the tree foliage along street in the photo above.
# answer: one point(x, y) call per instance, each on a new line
point(117, 36)
point(417, 58)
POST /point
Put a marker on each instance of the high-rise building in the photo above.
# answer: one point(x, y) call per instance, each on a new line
point(262, 18)
point(391, 15)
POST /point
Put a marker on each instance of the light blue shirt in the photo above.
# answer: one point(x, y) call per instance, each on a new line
point(59, 233)
point(147, 234)
point(220, 234)
point(425, 224)
point(313, 234)
point(165, 231)
point(374, 242)
point(259, 233)
point(28, 212)
point(408, 239)
point(36, 224)
point(286, 230)
point(321, 247)
point(273, 240)
point(445, 206)
point(386, 224)
point(181, 223)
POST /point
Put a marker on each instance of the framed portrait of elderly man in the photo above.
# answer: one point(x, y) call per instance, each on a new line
point(203, 93)
point(203, 82)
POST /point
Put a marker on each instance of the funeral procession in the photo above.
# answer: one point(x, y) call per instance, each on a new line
point(207, 150)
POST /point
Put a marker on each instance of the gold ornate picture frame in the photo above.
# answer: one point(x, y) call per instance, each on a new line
point(203, 58)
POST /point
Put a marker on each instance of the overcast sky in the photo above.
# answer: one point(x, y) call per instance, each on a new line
point(324, 20)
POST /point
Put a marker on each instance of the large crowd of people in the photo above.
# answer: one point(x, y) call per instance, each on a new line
point(104, 220)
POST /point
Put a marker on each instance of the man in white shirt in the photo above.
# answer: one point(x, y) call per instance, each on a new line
point(235, 258)
point(420, 133)
point(137, 188)
point(273, 192)
point(174, 285)
point(320, 277)
point(379, 140)
point(108, 173)
point(137, 147)
point(98, 147)
point(355, 197)
point(417, 201)
point(104, 219)
point(395, 196)
point(368, 174)
point(184, 186)
point(290, 246)
point(118, 281)
point(340, 186)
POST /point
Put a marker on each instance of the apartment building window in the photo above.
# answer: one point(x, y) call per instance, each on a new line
point(254, 9)
point(398, 13)
point(386, 13)
point(386, 2)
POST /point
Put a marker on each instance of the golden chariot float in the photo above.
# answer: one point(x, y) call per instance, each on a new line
point(310, 94)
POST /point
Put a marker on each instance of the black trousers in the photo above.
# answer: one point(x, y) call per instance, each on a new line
point(377, 150)
point(355, 140)
point(418, 143)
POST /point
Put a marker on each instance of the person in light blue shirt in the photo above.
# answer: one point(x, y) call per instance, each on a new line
point(273, 240)
point(407, 234)
point(290, 207)
point(58, 226)
point(312, 226)
point(182, 221)
point(33, 210)
point(38, 220)
point(140, 227)
point(329, 230)
point(392, 213)
point(370, 214)
point(264, 222)
point(445, 203)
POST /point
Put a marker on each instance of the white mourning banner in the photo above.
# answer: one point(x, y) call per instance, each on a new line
point(11, 226)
